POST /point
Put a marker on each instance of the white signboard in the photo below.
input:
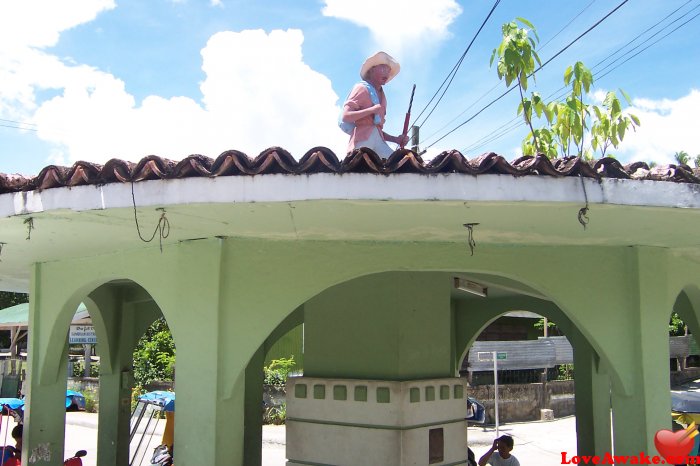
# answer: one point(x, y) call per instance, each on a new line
point(82, 334)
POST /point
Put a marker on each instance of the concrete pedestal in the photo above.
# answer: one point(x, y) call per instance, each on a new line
point(374, 422)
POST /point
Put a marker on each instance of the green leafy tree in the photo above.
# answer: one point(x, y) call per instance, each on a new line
point(570, 124)
point(9, 299)
point(277, 371)
point(575, 111)
point(154, 356)
point(676, 326)
point(516, 62)
point(611, 124)
point(696, 161)
point(682, 157)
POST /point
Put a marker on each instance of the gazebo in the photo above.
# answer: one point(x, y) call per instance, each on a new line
point(377, 258)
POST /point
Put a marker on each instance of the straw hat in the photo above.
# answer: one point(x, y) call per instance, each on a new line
point(380, 58)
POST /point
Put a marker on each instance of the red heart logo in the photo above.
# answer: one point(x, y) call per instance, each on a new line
point(673, 444)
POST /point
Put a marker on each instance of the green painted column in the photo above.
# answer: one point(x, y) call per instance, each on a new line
point(113, 419)
point(592, 391)
point(208, 425)
point(392, 326)
point(125, 323)
point(639, 414)
point(254, 378)
point(44, 419)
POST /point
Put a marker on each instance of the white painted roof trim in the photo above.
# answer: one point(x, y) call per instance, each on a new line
point(354, 186)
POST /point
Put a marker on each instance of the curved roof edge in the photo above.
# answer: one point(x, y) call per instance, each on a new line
point(450, 187)
point(276, 160)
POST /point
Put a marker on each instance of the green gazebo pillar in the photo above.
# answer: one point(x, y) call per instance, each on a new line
point(378, 385)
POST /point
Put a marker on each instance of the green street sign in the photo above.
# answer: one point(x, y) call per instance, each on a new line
point(502, 356)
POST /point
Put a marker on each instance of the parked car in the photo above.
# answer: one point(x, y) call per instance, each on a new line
point(75, 401)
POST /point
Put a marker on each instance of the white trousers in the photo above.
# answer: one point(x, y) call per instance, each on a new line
point(376, 143)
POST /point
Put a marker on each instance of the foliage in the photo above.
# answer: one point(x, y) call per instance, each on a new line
point(79, 369)
point(91, 403)
point(516, 62)
point(566, 372)
point(540, 324)
point(275, 414)
point(8, 299)
point(676, 326)
point(611, 124)
point(571, 123)
point(277, 371)
point(136, 392)
point(154, 356)
point(682, 157)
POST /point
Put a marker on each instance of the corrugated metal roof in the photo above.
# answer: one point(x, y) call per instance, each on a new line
point(547, 352)
point(521, 354)
point(679, 346)
point(563, 351)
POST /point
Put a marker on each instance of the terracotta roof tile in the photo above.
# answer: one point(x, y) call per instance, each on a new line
point(276, 160)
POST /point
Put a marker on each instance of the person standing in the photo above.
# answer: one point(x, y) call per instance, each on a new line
point(365, 107)
point(499, 453)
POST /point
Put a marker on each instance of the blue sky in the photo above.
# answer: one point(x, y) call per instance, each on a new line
point(98, 79)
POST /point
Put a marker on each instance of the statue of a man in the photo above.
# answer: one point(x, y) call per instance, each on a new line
point(366, 106)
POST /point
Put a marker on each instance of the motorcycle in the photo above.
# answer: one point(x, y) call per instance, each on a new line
point(75, 460)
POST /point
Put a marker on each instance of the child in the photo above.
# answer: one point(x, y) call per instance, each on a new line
point(502, 457)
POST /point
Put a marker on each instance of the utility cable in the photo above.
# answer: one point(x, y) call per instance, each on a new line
point(492, 135)
point(596, 24)
point(566, 26)
point(18, 127)
point(473, 104)
point(451, 75)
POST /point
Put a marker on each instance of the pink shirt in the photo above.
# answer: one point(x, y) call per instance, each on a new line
point(357, 100)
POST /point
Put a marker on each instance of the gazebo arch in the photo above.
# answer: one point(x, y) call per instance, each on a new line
point(245, 251)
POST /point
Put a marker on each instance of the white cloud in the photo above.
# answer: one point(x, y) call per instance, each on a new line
point(38, 23)
point(667, 126)
point(23, 32)
point(398, 25)
point(257, 93)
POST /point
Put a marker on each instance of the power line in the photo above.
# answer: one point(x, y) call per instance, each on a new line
point(473, 104)
point(566, 26)
point(652, 36)
point(18, 127)
point(596, 24)
point(642, 33)
point(17, 124)
point(495, 134)
point(654, 43)
point(451, 75)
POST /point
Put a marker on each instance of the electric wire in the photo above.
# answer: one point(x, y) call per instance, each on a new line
point(644, 32)
point(566, 47)
point(650, 45)
point(18, 127)
point(451, 75)
point(498, 84)
point(17, 122)
point(565, 26)
point(499, 132)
